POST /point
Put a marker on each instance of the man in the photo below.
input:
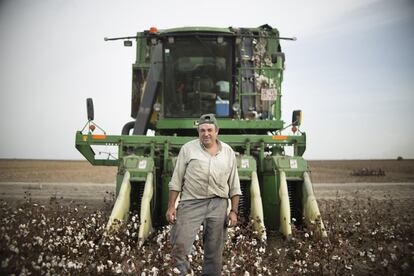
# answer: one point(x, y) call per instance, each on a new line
point(206, 176)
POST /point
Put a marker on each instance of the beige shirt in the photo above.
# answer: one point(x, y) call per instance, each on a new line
point(198, 175)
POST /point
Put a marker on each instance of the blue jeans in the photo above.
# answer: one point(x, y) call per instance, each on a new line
point(191, 214)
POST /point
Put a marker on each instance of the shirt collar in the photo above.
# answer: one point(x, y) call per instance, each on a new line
point(218, 144)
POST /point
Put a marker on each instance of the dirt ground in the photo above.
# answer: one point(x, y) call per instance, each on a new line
point(55, 171)
point(340, 171)
point(336, 171)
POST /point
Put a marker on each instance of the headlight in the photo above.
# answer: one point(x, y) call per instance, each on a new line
point(236, 107)
point(157, 107)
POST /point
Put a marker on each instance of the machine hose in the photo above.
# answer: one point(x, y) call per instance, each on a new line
point(127, 128)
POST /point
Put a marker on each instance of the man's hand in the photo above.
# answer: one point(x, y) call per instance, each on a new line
point(232, 219)
point(171, 215)
point(233, 212)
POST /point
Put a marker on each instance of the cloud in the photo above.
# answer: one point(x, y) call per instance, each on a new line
point(369, 15)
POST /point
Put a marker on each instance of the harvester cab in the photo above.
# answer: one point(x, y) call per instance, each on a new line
point(235, 73)
point(182, 73)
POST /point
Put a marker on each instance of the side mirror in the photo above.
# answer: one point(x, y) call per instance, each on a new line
point(89, 108)
point(296, 117)
point(276, 55)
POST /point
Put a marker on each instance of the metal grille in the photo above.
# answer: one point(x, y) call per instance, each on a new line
point(244, 203)
point(295, 200)
point(137, 191)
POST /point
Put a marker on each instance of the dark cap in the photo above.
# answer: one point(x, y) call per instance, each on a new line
point(208, 119)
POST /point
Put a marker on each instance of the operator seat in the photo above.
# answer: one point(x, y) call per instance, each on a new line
point(205, 86)
point(203, 95)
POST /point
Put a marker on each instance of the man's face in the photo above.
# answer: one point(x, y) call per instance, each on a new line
point(207, 134)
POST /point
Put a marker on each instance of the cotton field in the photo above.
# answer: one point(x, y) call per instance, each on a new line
point(366, 236)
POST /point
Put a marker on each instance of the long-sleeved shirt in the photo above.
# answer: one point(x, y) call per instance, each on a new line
point(199, 175)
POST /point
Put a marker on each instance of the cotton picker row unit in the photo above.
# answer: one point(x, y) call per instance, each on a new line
point(181, 73)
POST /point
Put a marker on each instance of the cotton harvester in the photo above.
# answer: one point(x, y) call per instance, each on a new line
point(181, 73)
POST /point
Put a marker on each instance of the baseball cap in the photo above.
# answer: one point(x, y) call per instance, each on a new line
point(208, 119)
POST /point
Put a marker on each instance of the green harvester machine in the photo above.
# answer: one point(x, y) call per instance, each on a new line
point(181, 73)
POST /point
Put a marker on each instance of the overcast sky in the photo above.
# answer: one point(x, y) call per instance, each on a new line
point(351, 71)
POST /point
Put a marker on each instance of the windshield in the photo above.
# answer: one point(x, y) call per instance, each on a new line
point(198, 76)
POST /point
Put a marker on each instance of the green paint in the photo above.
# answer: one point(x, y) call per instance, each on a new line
point(250, 132)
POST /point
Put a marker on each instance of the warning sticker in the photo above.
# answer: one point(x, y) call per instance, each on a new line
point(293, 163)
point(245, 163)
point(142, 164)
